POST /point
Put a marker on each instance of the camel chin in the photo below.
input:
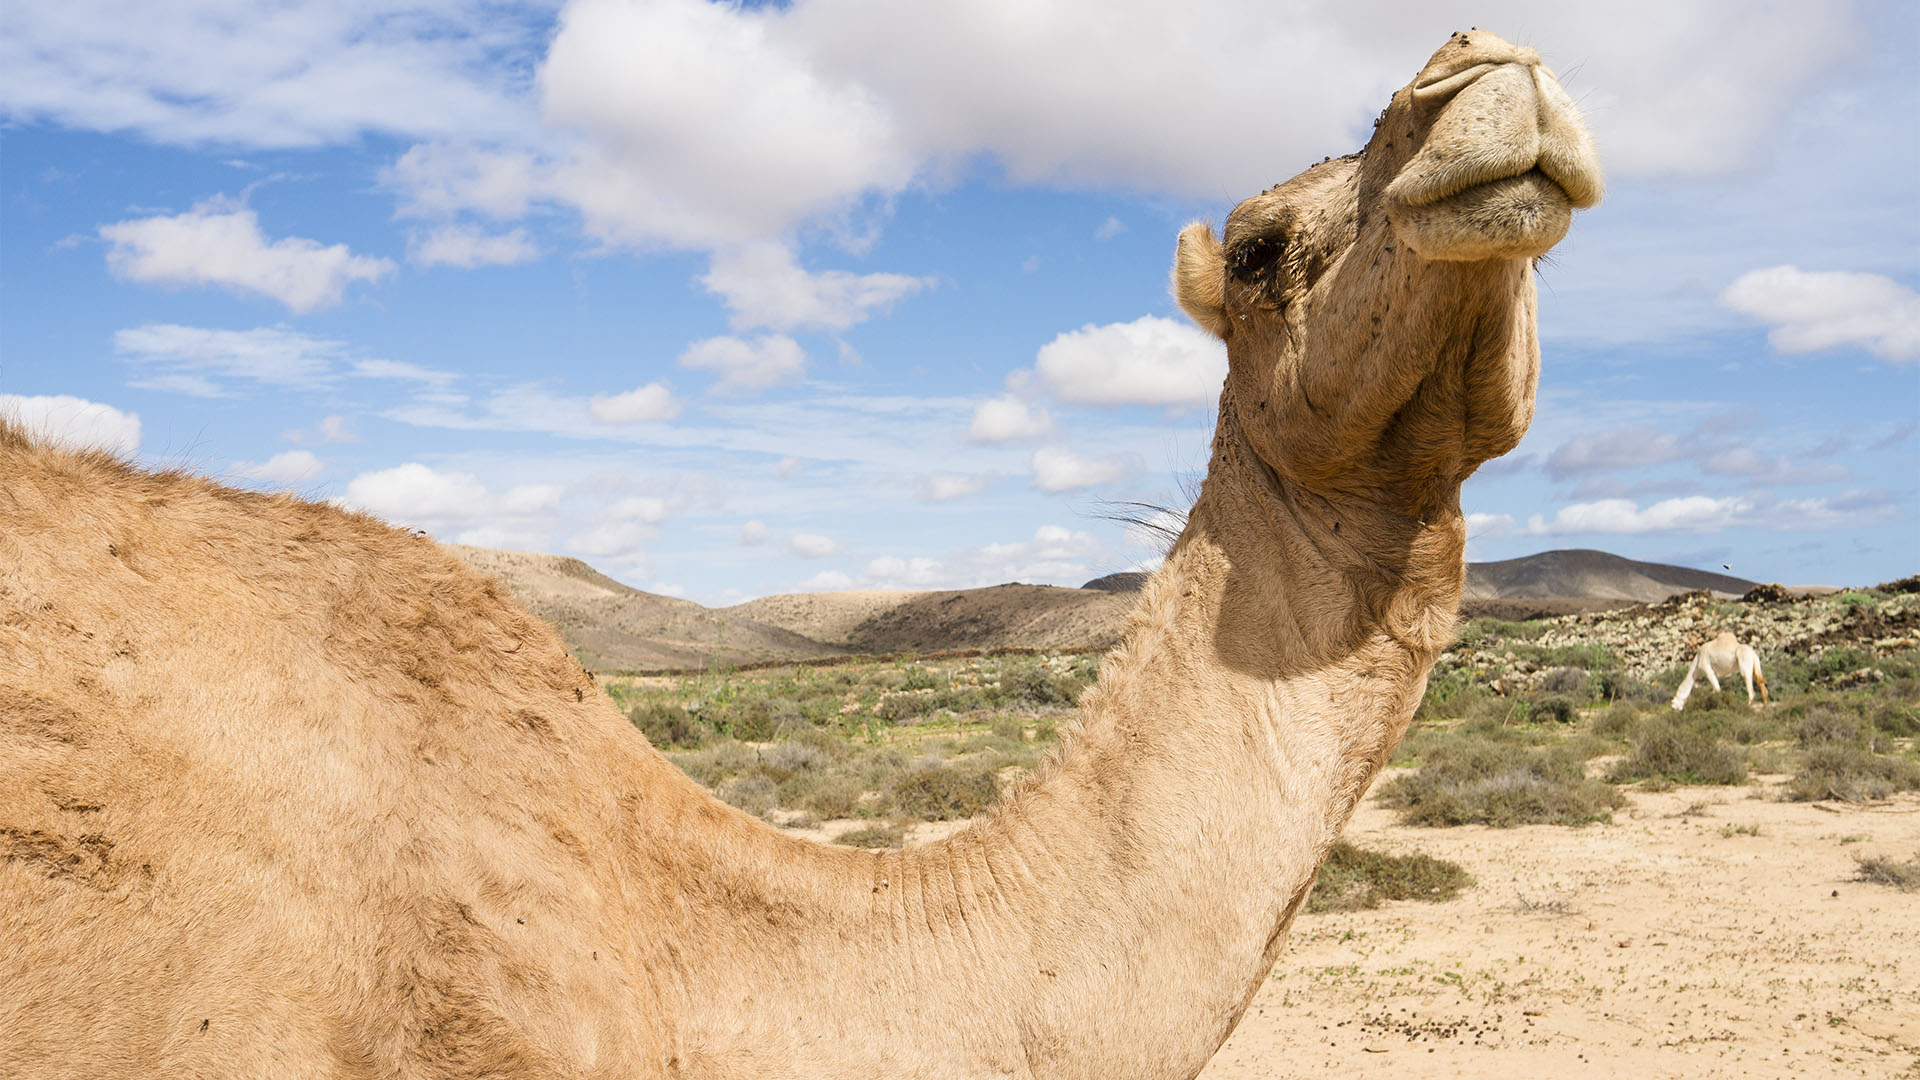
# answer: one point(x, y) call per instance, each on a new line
point(1512, 218)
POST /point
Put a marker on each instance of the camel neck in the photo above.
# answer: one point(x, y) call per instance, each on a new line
point(1272, 666)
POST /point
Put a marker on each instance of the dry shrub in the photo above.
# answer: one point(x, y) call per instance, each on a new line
point(1355, 879)
point(755, 793)
point(1882, 870)
point(1477, 781)
point(1682, 752)
point(944, 792)
point(873, 836)
point(1851, 773)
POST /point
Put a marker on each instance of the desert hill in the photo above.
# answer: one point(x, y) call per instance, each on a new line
point(1031, 616)
point(614, 627)
point(1591, 575)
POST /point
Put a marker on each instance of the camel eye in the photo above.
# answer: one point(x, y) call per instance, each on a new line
point(1253, 260)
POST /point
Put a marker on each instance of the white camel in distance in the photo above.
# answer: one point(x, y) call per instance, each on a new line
point(1723, 656)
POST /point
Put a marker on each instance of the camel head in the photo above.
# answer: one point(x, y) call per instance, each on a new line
point(1378, 309)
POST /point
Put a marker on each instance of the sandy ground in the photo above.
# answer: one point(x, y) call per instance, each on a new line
point(1671, 943)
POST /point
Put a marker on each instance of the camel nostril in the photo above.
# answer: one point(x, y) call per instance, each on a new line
point(1448, 85)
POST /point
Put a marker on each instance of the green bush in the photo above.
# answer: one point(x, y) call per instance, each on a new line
point(1355, 879)
point(1681, 751)
point(667, 725)
point(1555, 708)
point(1470, 780)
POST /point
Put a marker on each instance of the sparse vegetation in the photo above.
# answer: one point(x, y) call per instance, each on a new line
point(1881, 870)
point(1354, 878)
point(1472, 779)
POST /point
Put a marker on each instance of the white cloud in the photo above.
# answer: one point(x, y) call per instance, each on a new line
point(220, 243)
point(293, 73)
point(754, 532)
point(1110, 228)
point(813, 545)
point(746, 366)
point(531, 498)
point(1055, 469)
point(338, 429)
point(75, 422)
point(1149, 361)
point(699, 124)
point(706, 124)
point(940, 487)
point(1008, 419)
point(413, 493)
point(827, 580)
point(638, 406)
point(788, 467)
point(187, 359)
point(399, 369)
point(287, 467)
point(1701, 513)
point(1488, 526)
point(1624, 448)
point(648, 508)
point(467, 246)
point(623, 539)
point(1808, 311)
point(1054, 554)
point(765, 288)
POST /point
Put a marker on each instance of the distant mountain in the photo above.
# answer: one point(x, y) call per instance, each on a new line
point(613, 627)
point(1591, 575)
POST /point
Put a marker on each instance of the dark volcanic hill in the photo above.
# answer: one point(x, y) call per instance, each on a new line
point(1590, 575)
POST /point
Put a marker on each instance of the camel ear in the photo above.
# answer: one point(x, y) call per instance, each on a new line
point(1199, 278)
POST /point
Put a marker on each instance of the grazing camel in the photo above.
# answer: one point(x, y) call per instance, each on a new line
point(1723, 656)
point(285, 792)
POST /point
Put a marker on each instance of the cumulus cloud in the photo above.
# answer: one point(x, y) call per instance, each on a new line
point(414, 493)
point(698, 124)
point(75, 422)
point(220, 243)
point(458, 506)
point(1487, 526)
point(1808, 311)
point(468, 246)
point(754, 532)
point(1055, 469)
point(638, 406)
point(746, 366)
point(287, 467)
point(766, 289)
point(828, 580)
point(813, 545)
point(1008, 419)
point(1149, 361)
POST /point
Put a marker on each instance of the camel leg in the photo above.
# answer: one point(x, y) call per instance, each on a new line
point(1686, 688)
point(1706, 668)
point(1750, 670)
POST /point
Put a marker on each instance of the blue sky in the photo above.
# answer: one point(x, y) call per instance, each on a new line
point(736, 300)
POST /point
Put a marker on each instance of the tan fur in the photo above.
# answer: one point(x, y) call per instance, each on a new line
point(285, 792)
point(1723, 655)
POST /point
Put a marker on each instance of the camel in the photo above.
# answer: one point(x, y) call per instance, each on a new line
point(1723, 656)
point(287, 792)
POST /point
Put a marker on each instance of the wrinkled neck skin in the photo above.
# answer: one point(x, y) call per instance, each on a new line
point(1115, 917)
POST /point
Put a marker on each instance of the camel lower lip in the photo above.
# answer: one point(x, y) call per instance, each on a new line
point(1512, 216)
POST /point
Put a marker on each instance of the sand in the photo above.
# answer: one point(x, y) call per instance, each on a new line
point(1671, 943)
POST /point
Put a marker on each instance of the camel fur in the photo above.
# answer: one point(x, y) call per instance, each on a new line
point(287, 792)
point(1723, 656)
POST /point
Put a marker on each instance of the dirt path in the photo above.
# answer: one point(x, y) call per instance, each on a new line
point(1672, 943)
